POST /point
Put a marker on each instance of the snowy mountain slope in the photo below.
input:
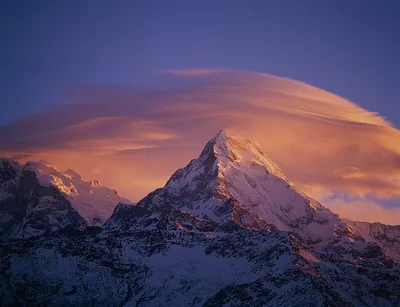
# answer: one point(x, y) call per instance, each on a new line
point(31, 209)
point(232, 168)
point(229, 229)
point(93, 201)
point(233, 180)
point(166, 264)
point(36, 198)
point(385, 236)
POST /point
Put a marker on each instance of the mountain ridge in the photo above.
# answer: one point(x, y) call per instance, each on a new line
point(38, 191)
point(234, 168)
point(229, 229)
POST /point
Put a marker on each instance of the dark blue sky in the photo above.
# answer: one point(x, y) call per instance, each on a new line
point(351, 48)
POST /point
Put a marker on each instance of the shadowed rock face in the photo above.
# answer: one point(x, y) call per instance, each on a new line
point(229, 229)
point(9, 170)
point(9, 179)
point(37, 210)
point(36, 199)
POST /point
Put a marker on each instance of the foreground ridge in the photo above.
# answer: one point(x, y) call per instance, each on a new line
point(229, 229)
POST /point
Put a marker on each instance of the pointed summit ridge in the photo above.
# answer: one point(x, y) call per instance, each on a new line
point(230, 148)
point(224, 153)
point(72, 174)
point(233, 168)
point(226, 156)
point(234, 181)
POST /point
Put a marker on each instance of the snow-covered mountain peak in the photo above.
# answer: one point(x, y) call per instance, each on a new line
point(224, 155)
point(231, 148)
point(237, 148)
point(233, 168)
point(72, 174)
point(93, 201)
point(239, 153)
point(45, 173)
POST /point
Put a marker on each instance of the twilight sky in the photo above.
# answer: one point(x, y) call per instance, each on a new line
point(71, 73)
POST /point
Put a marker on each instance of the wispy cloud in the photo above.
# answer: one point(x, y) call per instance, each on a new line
point(137, 138)
point(364, 210)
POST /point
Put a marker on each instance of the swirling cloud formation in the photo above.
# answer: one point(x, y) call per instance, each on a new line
point(133, 139)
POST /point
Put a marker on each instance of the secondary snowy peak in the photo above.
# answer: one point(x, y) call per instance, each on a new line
point(37, 199)
point(385, 236)
point(28, 209)
point(93, 201)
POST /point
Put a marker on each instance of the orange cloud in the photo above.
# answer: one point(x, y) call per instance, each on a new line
point(133, 140)
point(365, 211)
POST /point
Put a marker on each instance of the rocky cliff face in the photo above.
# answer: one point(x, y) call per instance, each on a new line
point(30, 209)
point(35, 199)
point(229, 229)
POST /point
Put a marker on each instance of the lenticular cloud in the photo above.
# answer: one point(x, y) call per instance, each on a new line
point(134, 139)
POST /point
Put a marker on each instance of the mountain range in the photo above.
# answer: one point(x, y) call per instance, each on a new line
point(228, 229)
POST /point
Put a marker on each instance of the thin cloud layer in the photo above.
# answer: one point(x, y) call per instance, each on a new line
point(364, 210)
point(133, 139)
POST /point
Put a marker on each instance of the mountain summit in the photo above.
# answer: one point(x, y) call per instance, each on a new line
point(232, 175)
point(233, 180)
point(225, 157)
